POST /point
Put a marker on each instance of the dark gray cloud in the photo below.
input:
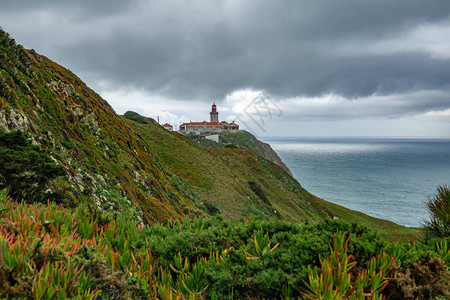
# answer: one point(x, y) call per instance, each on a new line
point(88, 7)
point(331, 108)
point(208, 49)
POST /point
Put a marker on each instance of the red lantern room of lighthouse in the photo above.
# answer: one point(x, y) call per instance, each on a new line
point(214, 114)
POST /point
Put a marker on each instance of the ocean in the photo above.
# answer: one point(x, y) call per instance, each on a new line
point(387, 178)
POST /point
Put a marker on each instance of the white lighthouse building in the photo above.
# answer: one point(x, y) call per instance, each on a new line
point(213, 126)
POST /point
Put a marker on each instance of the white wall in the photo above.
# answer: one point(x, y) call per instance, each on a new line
point(213, 137)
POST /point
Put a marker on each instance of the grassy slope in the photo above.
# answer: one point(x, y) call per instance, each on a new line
point(248, 140)
point(121, 164)
point(221, 176)
point(104, 161)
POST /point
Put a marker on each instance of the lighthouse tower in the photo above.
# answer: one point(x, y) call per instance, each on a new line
point(214, 114)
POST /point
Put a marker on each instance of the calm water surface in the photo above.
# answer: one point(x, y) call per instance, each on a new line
point(388, 178)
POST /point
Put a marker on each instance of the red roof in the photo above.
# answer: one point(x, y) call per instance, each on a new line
point(167, 125)
point(201, 123)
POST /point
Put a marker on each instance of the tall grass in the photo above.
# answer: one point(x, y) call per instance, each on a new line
point(438, 226)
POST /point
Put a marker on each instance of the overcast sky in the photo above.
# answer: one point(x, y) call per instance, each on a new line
point(292, 68)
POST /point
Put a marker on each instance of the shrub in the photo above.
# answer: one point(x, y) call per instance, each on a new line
point(428, 278)
point(439, 207)
point(84, 253)
point(25, 170)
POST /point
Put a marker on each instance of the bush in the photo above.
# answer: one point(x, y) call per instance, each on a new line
point(439, 207)
point(25, 170)
point(428, 278)
point(83, 252)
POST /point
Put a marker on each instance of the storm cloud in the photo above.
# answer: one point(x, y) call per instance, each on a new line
point(389, 58)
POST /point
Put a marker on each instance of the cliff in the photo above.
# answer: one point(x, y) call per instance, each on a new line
point(248, 140)
point(131, 165)
point(105, 163)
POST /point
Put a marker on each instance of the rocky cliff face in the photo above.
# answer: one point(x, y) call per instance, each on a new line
point(104, 162)
point(268, 153)
point(249, 141)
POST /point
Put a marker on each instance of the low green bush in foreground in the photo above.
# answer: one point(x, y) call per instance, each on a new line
point(53, 252)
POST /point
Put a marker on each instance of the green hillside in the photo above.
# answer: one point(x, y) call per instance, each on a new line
point(105, 163)
point(240, 182)
point(132, 166)
point(245, 139)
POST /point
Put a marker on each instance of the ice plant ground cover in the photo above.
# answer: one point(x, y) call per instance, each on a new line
point(48, 251)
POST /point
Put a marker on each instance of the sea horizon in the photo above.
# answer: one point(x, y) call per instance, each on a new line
point(271, 137)
point(382, 176)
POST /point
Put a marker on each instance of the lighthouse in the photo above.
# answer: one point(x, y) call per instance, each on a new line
point(208, 128)
point(214, 114)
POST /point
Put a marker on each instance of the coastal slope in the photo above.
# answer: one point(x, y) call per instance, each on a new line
point(133, 166)
point(239, 181)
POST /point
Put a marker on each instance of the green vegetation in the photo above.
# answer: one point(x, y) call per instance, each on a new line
point(242, 139)
point(124, 177)
point(439, 208)
point(25, 170)
point(49, 251)
point(239, 182)
point(136, 117)
point(104, 162)
point(246, 139)
point(132, 166)
point(334, 280)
